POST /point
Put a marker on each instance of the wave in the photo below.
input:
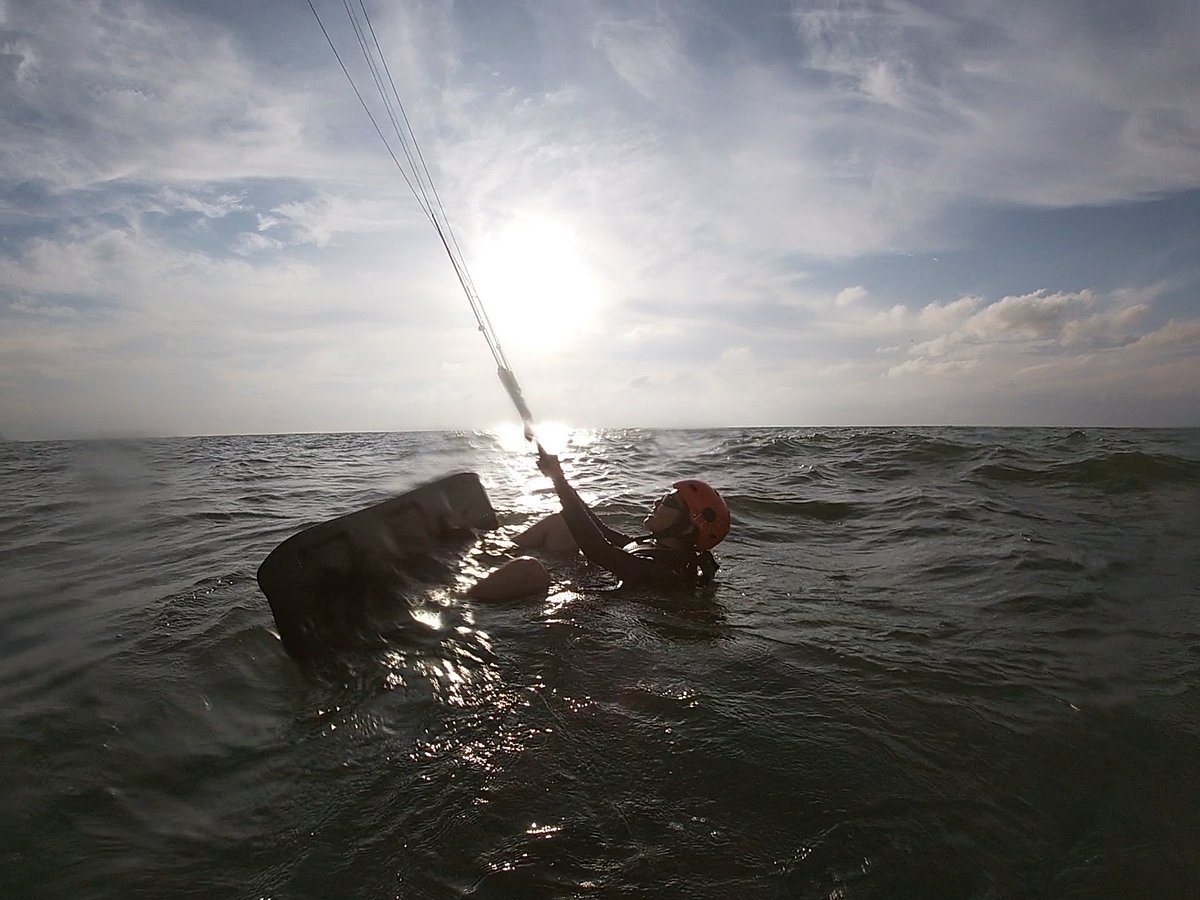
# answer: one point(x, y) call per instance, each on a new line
point(1126, 470)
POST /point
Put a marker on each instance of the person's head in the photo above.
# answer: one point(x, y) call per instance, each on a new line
point(693, 512)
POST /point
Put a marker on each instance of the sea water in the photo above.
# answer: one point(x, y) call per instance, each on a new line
point(938, 663)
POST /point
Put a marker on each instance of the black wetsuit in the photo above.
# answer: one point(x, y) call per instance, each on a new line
point(635, 562)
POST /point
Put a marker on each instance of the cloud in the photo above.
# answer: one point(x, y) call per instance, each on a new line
point(1174, 338)
point(966, 330)
point(1031, 317)
point(1073, 355)
point(1021, 107)
point(206, 203)
point(849, 295)
point(926, 366)
point(43, 309)
point(193, 200)
point(1105, 329)
point(248, 243)
point(645, 53)
point(860, 134)
point(128, 90)
point(320, 220)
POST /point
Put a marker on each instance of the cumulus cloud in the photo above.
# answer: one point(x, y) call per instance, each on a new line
point(1036, 316)
point(1174, 338)
point(1068, 349)
point(849, 295)
point(965, 330)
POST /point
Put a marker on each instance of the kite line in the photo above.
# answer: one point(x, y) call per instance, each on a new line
point(411, 164)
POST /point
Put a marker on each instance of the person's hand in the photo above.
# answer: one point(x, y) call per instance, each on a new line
point(548, 463)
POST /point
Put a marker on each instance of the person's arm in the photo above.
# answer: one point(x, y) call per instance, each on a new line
point(591, 534)
point(549, 465)
point(610, 535)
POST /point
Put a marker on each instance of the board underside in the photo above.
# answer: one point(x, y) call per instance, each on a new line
point(338, 585)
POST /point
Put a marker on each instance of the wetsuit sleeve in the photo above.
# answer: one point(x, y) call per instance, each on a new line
point(593, 539)
point(610, 535)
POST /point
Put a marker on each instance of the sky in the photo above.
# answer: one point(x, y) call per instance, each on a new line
point(677, 214)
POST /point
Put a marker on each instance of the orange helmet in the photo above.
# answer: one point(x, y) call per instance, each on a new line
point(707, 511)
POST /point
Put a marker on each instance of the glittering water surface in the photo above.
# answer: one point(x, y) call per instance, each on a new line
point(939, 663)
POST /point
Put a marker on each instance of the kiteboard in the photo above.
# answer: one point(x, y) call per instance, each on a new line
point(340, 583)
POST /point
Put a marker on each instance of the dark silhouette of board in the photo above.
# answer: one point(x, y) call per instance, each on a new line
point(344, 584)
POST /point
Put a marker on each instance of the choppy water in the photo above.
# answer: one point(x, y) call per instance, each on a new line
point(940, 663)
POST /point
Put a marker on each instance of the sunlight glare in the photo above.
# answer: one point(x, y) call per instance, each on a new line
point(554, 436)
point(431, 619)
point(536, 285)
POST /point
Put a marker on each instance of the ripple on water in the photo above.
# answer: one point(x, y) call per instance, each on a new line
point(939, 663)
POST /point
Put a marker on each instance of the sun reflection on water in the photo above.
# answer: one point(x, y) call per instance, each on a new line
point(431, 619)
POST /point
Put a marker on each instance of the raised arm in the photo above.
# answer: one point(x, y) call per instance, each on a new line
point(600, 544)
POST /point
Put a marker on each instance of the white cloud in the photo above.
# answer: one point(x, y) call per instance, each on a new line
point(321, 219)
point(1037, 316)
point(889, 319)
point(128, 90)
point(50, 310)
point(927, 366)
point(1112, 328)
point(1020, 324)
point(1173, 338)
point(206, 204)
point(1023, 106)
point(645, 52)
point(849, 295)
point(249, 243)
point(1074, 352)
point(736, 360)
point(943, 317)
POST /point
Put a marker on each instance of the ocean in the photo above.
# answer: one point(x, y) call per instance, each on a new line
point(938, 662)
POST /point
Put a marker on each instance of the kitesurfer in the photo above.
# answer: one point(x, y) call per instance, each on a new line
point(684, 525)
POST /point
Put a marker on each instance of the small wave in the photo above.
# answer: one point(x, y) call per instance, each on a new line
point(897, 608)
point(757, 508)
point(1133, 469)
point(1130, 470)
point(935, 450)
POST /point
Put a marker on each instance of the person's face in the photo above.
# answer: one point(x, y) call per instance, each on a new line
point(667, 510)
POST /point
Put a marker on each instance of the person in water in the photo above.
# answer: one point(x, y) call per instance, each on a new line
point(684, 525)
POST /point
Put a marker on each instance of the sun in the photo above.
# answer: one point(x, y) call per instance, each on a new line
point(535, 283)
